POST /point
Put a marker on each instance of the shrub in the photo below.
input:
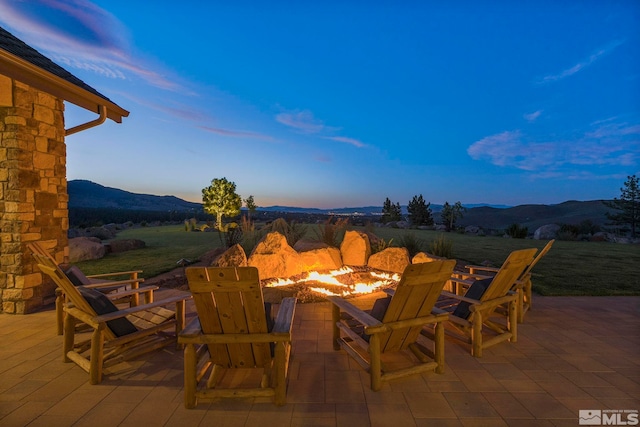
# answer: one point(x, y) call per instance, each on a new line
point(441, 246)
point(516, 231)
point(379, 245)
point(568, 232)
point(292, 231)
point(331, 233)
point(588, 227)
point(412, 243)
point(232, 236)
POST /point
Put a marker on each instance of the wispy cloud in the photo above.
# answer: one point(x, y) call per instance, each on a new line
point(237, 134)
point(603, 144)
point(346, 140)
point(305, 122)
point(302, 121)
point(582, 64)
point(531, 117)
point(90, 39)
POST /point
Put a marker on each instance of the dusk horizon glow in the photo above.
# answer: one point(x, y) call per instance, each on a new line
point(344, 104)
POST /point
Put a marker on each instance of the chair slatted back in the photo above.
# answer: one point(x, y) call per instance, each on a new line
point(229, 300)
point(47, 265)
point(511, 270)
point(415, 296)
point(538, 257)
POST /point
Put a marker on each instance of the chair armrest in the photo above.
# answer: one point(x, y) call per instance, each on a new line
point(512, 296)
point(117, 273)
point(142, 290)
point(473, 268)
point(113, 283)
point(127, 311)
point(360, 316)
point(193, 329)
point(284, 319)
point(459, 297)
point(458, 275)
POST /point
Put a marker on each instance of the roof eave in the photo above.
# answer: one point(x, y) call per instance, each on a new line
point(24, 71)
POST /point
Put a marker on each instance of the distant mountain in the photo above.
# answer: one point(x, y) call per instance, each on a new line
point(534, 216)
point(87, 194)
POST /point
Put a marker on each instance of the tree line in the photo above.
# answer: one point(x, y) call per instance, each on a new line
point(420, 214)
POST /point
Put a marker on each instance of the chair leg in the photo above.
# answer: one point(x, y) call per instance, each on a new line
point(513, 321)
point(438, 342)
point(59, 311)
point(97, 355)
point(68, 338)
point(520, 293)
point(476, 334)
point(190, 376)
point(375, 370)
point(280, 397)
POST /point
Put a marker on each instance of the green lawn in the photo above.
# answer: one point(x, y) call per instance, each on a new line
point(570, 268)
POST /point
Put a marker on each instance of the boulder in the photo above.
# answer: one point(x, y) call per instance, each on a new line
point(546, 232)
point(307, 245)
point(472, 229)
point(425, 257)
point(232, 257)
point(355, 248)
point(85, 248)
point(273, 257)
point(390, 259)
point(327, 258)
point(123, 245)
point(101, 233)
point(603, 236)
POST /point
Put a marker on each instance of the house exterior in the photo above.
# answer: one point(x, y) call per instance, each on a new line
point(33, 183)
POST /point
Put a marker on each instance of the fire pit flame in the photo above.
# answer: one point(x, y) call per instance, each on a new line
point(342, 278)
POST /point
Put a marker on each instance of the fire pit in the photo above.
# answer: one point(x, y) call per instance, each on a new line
point(345, 282)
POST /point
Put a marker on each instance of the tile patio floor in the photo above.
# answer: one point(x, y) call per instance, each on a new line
point(572, 353)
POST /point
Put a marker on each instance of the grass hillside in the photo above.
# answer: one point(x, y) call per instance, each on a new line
point(570, 268)
point(534, 216)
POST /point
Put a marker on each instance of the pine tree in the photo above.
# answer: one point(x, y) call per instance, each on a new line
point(450, 214)
point(419, 211)
point(628, 205)
point(391, 212)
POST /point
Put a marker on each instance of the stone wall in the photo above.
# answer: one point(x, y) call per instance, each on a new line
point(33, 192)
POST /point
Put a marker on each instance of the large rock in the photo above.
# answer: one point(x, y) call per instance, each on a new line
point(390, 259)
point(275, 258)
point(123, 245)
point(232, 257)
point(321, 259)
point(307, 245)
point(355, 248)
point(546, 232)
point(425, 257)
point(85, 248)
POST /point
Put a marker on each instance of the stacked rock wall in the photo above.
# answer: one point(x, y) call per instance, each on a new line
point(33, 192)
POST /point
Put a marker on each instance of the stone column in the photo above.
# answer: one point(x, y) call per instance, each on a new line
point(33, 192)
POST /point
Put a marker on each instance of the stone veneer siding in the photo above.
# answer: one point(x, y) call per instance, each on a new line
point(33, 192)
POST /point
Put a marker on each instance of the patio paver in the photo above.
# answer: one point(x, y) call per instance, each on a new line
point(573, 353)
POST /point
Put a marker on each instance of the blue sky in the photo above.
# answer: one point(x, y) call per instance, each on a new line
point(335, 104)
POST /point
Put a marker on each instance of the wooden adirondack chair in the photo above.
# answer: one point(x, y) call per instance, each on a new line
point(522, 286)
point(370, 336)
point(119, 290)
point(472, 314)
point(233, 330)
point(117, 335)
